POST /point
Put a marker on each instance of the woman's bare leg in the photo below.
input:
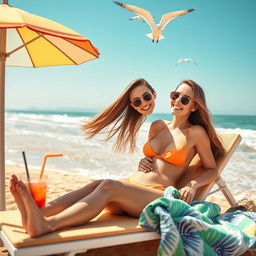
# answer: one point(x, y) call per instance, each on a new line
point(132, 198)
point(65, 201)
point(129, 197)
point(18, 200)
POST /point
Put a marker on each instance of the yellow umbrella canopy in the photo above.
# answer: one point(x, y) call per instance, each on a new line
point(29, 40)
point(34, 41)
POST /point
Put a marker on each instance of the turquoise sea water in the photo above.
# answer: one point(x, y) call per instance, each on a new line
point(46, 132)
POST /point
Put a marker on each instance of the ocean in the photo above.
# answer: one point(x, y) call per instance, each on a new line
point(53, 132)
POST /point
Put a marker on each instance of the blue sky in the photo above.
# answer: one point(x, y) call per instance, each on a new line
point(220, 36)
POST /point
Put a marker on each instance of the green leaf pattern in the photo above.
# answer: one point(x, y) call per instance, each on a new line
point(197, 229)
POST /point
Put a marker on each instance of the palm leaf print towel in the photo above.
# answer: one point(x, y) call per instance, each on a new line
point(198, 229)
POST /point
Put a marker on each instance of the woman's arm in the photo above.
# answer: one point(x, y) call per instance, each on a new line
point(202, 145)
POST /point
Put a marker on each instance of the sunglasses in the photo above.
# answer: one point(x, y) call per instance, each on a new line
point(146, 96)
point(184, 99)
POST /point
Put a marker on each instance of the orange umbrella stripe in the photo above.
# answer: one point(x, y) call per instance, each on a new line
point(86, 45)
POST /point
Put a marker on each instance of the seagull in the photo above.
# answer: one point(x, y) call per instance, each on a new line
point(156, 34)
point(185, 60)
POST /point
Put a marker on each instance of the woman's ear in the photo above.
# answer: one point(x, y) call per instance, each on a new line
point(154, 94)
point(194, 108)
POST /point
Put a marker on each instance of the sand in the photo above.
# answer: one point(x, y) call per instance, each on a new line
point(60, 183)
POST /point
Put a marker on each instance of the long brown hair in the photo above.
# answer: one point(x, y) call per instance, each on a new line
point(202, 117)
point(125, 120)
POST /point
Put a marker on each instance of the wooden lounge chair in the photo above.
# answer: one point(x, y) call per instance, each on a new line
point(230, 143)
point(105, 230)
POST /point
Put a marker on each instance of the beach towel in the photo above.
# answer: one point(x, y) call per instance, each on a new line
point(198, 229)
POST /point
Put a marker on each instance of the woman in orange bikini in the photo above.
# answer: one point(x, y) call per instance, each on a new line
point(169, 150)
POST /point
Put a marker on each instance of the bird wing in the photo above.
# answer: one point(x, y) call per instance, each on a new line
point(134, 18)
point(191, 60)
point(166, 18)
point(185, 60)
point(144, 14)
point(179, 61)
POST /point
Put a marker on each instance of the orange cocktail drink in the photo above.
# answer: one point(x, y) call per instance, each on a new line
point(37, 184)
point(38, 189)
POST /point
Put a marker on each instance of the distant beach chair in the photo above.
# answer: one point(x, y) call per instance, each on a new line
point(105, 230)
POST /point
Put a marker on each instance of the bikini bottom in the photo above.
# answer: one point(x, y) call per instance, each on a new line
point(159, 187)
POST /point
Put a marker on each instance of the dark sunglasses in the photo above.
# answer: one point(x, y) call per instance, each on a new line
point(184, 99)
point(146, 96)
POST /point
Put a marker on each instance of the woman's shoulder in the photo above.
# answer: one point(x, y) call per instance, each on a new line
point(197, 131)
point(156, 126)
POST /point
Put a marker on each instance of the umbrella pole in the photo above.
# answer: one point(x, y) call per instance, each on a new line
point(2, 113)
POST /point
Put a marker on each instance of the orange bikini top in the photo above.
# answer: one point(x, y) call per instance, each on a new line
point(175, 156)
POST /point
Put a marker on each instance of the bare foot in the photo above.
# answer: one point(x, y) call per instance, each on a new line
point(36, 223)
point(18, 200)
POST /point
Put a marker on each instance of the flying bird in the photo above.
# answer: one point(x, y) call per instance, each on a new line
point(185, 60)
point(156, 34)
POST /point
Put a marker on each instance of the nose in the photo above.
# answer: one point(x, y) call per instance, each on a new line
point(143, 102)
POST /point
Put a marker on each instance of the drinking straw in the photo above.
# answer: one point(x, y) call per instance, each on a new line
point(26, 166)
point(44, 162)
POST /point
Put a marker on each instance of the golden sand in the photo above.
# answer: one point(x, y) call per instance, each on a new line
point(60, 183)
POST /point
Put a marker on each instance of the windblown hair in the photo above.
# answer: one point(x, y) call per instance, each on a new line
point(125, 121)
point(202, 117)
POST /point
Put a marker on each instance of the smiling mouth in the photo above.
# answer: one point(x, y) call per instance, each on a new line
point(146, 108)
point(176, 107)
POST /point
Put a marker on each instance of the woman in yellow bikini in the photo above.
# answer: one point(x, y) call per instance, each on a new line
point(169, 150)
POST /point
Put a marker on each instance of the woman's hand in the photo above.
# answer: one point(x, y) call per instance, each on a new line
point(146, 165)
point(187, 194)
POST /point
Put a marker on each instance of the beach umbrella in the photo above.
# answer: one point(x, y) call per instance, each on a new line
point(29, 40)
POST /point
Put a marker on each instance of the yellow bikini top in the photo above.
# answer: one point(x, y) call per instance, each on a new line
point(175, 156)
